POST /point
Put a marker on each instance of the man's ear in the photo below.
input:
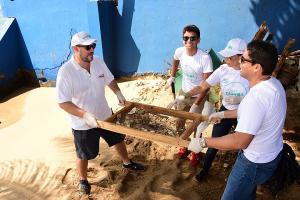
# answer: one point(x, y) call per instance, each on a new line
point(257, 67)
point(75, 48)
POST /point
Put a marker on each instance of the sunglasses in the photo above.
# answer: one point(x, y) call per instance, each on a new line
point(243, 59)
point(192, 38)
point(88, 47)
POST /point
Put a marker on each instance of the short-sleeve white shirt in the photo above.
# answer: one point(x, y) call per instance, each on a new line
point(86, 90)
point(262, 114)
point(231, 83)
point(193, 67)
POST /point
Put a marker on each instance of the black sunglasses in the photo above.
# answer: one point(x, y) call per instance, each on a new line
point(192, 38)
point(243, 59)
point(88, 47)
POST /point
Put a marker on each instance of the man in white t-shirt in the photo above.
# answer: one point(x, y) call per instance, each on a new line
point(196, 66)
point(81, 93)
point(258, 134)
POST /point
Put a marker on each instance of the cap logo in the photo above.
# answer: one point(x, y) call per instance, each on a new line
point(229, 47)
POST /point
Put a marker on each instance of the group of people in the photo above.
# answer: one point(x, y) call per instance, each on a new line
point(253, 102)
point(233, 88)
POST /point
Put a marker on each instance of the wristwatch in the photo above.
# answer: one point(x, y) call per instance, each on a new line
point(203, 143)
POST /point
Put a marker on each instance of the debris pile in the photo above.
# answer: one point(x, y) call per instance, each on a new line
point(154, 123)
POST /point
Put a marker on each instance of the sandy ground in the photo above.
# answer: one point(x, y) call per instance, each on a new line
point(37, 155)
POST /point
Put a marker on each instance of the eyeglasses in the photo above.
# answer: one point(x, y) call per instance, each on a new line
point(88, 47)
point(243, 59)
point(192, 38)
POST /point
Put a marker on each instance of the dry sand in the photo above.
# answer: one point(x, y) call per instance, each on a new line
point(37, 155)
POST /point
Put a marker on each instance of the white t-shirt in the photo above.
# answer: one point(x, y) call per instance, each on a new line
point(193, 67)
point(262, 114)
point(234, 87)
point(84, 89)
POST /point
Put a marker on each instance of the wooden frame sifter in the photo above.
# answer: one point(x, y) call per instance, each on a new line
point(110, 124)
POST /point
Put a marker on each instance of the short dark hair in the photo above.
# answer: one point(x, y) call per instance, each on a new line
point(191, 28)
point(263, 53)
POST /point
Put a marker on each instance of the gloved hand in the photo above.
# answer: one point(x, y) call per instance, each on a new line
point(171, 80)
point(233, 100)
point(121, 98)
point(195, 109)
point(216, 117)
point(208, 109)
point(178, 100)
point(90, 120)
point(200, 128)
point(197, 144)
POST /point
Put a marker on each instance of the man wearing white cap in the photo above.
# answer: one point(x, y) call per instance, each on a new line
point(258, 134)
point(81, 92)
point(233, 88)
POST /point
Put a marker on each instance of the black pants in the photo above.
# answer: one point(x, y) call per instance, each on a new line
point(219, 130)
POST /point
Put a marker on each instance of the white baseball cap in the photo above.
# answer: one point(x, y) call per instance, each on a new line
point(234, 46)
point(82, 38)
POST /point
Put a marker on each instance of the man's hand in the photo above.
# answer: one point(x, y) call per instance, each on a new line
point(178, 100)
point(171, 80)
point(197, 144)
point(207, 110)
point(216, 117)
point(195, 109)
point(233, 100)
point(121, 98)
point(90, 120)
point(200, 128)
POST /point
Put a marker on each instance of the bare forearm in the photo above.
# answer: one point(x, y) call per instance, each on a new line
point(230, 114)
point(233, 141)
point(114, 86)
point(202, 88)
point(206, 75)
point(174, 67)
point(71, 108)
point(200, 98)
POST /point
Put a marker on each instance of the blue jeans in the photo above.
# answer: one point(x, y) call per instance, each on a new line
point(246, 175)
point(219, 130)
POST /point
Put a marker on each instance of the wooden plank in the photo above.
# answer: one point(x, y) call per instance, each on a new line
point(294, 53)
point(283, 56)
point(191, 128)
point(124, 110)
point(260, 34)
point(175, 141)
point(170, 112)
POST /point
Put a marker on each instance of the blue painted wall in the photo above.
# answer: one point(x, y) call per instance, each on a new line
point(142, 35)
point(47, 27)
point(13, 50)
